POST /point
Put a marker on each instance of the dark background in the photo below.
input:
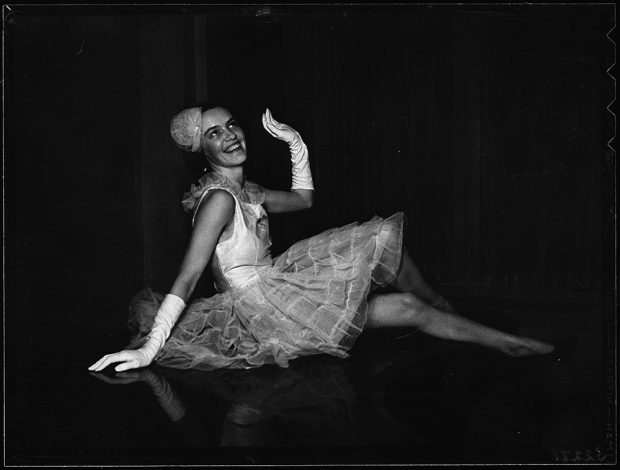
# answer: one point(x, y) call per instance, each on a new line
point(485, 125)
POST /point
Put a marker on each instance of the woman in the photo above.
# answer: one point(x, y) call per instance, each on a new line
point(311, 299)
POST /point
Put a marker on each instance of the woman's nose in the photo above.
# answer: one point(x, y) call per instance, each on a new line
point(230, 134)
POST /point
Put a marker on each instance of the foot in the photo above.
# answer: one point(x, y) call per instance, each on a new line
point(518, 346)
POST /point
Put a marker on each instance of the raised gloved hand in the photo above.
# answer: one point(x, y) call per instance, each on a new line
point(166, 317)
point(302, 176)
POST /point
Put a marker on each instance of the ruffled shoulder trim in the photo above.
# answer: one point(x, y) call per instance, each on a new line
point(251, 193)
point(255, 192)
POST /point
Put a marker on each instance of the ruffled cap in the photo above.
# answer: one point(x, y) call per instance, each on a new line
point(185, 129)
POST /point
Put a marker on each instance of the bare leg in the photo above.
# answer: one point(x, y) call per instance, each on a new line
point(409, 279)
point(408, 310)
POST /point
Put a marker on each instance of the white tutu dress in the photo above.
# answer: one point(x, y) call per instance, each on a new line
point(311, 299)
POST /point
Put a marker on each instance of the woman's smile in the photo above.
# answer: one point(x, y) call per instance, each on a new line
point(223, 140)
point(233, 147)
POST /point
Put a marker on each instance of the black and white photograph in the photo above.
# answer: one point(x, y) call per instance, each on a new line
point(309, 234)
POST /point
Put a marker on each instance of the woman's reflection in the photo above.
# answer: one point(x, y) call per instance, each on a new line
point(309, 403)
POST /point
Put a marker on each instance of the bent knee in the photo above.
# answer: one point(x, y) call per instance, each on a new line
point(412, 308)
point(409, 301)
point(402, 309)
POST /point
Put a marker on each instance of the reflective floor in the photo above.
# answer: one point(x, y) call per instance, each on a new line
point(401, 397)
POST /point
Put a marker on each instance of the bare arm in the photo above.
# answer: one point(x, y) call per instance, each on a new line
point(288, 201)
point(214, 213)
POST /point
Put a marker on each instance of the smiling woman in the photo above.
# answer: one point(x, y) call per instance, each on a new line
point(223, 141)
point(314, 298)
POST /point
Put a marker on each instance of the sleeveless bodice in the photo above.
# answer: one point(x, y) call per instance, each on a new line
point(244, 247)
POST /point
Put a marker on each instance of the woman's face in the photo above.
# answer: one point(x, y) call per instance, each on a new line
point(223, 141)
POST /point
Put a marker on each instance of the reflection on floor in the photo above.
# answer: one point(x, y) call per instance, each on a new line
point(401, 397)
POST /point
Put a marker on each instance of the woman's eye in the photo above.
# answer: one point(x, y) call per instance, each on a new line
point(233, 124)
point(213, 134)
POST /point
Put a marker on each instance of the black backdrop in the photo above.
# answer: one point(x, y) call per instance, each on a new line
point(486, 126)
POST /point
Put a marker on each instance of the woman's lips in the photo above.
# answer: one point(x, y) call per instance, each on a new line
point(232, 148)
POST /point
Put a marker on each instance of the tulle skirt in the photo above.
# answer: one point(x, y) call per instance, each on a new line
point(312, 300)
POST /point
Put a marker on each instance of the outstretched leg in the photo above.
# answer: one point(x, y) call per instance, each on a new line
point(407, 309)
point(409, 279)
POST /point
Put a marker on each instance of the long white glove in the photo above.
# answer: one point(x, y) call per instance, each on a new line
point(302, 176)
point(166, 317)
